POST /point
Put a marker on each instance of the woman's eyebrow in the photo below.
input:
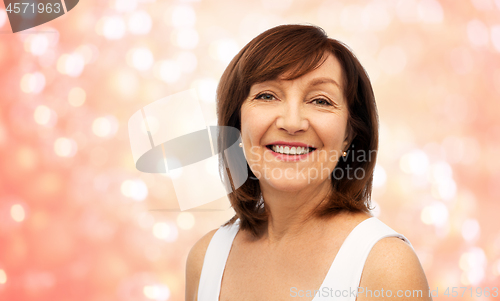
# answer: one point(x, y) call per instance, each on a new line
point(323, 80)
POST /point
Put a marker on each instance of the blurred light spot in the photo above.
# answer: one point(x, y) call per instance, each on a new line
point(375, 17)
point(76, 97)
point(38, 44)
point(444, 187)
point(474, 258)
point(477, 32)
point(156, 292)
point(3, 18)
point(145, 220)
point(88, 52)
point(482, 4)
point(497, 2)
point(140, 23)
point(3, 275)
point(206, 89)
point(407, 10)
point(475, 276)
point(45, 116)
point(141, 58)
point(224, 50)
point(470, 230)
point(125, 5)
point(186, 38)
point(185, 220)
point(17, 213)
point(105, 127)
point(473, 263)
point(113, 28)
point(169, 71)
point(495, 37)
point(430, 11)
point(415, 162)
point(183, 16)
point(441, 171)
point(461, 60)
point(392, 59)
point(164, 231)
point(134, 189)
point(187, 61)
point(33, 83)
point(65, 147)
point(379, 176)
point(435, 214)
point(70, 64)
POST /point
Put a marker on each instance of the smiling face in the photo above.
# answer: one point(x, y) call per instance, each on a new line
point(294, 131)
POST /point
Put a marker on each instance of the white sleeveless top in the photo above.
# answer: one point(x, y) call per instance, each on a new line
point(341, 281)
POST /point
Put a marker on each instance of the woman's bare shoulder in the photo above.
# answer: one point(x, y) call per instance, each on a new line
point(393, 265)
point(194, 265)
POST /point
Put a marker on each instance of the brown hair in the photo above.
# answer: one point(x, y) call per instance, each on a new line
point(297, 50)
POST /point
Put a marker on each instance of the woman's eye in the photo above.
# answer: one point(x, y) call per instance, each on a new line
point(322, 101)
point(265, 96)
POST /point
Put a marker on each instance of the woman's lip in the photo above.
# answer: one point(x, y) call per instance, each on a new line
point(289, 158)
point(285, 143)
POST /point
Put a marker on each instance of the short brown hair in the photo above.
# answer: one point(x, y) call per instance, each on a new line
point(297, 50)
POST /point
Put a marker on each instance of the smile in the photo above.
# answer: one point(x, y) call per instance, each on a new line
point(290, 150)
point(290, 153)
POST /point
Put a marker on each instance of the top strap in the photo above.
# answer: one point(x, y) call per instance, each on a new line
point(345, 272)
point(215, 262)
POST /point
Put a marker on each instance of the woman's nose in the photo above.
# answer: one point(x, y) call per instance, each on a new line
point(292, 119)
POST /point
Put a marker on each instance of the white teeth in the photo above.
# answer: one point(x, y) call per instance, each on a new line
point(291, 151)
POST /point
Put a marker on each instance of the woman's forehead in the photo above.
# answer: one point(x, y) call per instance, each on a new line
point(329, 72)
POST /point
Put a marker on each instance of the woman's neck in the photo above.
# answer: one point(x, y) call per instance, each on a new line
point(292, 213)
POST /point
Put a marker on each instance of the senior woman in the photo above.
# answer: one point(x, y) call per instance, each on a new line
point(302, 228)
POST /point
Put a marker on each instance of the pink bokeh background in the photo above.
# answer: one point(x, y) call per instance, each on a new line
point(79, 222)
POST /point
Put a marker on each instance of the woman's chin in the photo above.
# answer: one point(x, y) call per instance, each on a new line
point(289, 185)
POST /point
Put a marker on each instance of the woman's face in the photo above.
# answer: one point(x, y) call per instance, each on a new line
point(280, 119)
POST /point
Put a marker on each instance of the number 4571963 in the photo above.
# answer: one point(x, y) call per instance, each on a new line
point(16, 8)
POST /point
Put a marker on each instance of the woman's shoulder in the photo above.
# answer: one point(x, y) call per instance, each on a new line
point(194, 264)
point(393, 265)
